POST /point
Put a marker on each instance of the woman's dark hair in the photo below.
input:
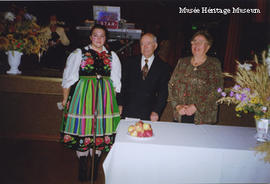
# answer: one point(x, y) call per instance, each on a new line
point(205, 34)
point(99, 26)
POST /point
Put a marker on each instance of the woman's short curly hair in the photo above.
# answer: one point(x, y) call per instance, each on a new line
point(205, 34)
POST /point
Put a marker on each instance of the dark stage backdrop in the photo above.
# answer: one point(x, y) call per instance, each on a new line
point(163, 19)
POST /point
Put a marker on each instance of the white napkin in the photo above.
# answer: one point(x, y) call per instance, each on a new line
point(60, 106)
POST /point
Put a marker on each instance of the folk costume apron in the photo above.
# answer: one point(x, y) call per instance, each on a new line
point(77, 125)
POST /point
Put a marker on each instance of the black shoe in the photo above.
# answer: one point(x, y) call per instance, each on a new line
point(97, 158)
point(83, 168)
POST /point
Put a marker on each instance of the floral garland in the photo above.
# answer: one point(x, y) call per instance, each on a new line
point(84, 143)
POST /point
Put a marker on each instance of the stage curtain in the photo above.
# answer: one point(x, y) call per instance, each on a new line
point(260, 17)
point(233, 43)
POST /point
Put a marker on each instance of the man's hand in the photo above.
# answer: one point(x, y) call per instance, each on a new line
point(154, 116)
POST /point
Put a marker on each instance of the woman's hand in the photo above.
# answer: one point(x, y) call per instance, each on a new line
point(64, 102)
point(190, 109)
point(65, 96)
point(181, 109)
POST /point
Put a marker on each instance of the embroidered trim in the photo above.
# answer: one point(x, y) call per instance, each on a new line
point(92, 116)
point(88, 134)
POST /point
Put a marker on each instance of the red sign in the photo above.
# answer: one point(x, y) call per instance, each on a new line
point(109, 24)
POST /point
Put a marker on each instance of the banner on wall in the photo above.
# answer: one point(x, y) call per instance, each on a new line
point(108, 16)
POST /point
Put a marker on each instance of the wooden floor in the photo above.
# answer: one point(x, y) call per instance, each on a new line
point(40, 162)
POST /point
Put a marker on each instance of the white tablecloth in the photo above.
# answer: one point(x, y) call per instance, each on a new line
point(186, 153)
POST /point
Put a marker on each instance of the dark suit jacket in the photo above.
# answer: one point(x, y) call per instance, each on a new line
point(140, 97)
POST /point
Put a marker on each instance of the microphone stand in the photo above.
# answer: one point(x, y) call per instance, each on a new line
point(99, 77)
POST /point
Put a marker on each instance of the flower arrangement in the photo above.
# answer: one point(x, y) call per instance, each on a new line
point(251, 92)
point(19, 31)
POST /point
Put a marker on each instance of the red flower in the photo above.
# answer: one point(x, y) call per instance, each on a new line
point(99, 140)
point(107, 139)
point(106, 61)
point(90, 61)
point(103, 53)
point(19, 45)
point(67, 138)
point(100, 148)
point(19, 18)
point(87, 141)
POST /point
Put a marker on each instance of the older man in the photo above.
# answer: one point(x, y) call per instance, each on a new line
point(144, 83)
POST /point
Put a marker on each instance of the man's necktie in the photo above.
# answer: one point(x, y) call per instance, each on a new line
point(145, 69)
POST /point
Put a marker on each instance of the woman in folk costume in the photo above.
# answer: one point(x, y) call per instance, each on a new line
point(84, 93)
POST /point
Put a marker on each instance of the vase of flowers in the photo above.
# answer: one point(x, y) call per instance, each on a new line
point(19, 33)
point(251, 92)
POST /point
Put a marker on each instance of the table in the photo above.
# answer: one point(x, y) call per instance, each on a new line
point(186, 153)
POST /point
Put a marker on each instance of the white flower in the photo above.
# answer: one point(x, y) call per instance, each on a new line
point(245, 66)
point(236, 87)
point(223, 94)
point(264, 109)
point(9, 16)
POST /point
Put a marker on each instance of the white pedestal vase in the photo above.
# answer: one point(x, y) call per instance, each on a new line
point(14, 60)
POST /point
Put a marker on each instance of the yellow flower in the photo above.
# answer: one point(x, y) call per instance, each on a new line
point(237, 109)
point(253, 100)
point(256, 117)
point(36, 50)
point(25, 41)
point(10, 36)
point(36, 26)
point(245, 111)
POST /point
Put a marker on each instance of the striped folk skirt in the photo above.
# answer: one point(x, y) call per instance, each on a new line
point(78, 120)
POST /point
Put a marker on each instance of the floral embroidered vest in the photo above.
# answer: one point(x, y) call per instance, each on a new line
point(94, 63)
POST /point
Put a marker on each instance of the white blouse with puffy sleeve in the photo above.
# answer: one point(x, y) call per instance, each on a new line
point(71, 71)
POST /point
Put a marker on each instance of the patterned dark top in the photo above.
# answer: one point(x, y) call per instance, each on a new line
point(94, 63)
point(199, 87)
